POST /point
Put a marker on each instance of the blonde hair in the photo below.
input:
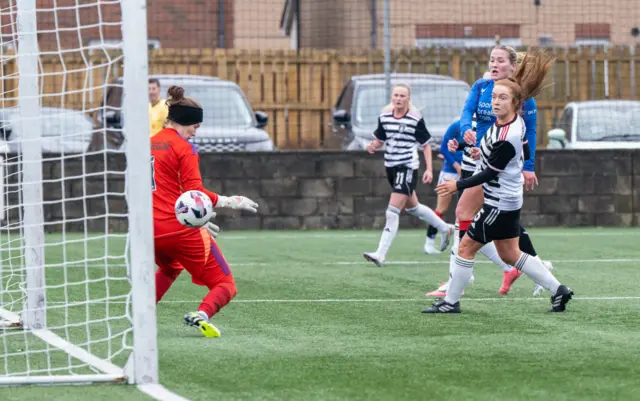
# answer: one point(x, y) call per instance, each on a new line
point(389, 107)
point(513, 55)
point(527, 81)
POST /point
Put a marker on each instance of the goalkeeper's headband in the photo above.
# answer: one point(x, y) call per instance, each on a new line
point(185, 115)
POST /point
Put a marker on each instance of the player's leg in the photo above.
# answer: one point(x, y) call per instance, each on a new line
point(460, 277)
point(510, 252)
point(469, 203)
point(202, 258)
point(442, 205)
point(426, 214)
point(397, 177)
point(526, 246)
point(168, 268)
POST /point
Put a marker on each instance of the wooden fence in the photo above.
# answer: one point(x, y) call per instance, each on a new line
point(298, 90)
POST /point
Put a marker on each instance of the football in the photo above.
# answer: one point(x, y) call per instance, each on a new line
point(194, 209)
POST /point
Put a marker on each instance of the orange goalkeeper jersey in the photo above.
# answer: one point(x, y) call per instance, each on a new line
point(175, 168)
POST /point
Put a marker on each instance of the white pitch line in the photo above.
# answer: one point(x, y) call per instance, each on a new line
point(367, 234)
point(78, 265)
point(437, 262)
point(358, 300)
point(366, 300)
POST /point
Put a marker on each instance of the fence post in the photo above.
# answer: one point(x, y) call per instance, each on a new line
point(387, 47)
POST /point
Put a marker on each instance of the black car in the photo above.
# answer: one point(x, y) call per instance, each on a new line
point(439, 98)
point(229, 121)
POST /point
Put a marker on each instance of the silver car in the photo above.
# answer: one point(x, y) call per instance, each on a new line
point(63, 130)
point(597, 124)
point(439, 98)
point(229, 121)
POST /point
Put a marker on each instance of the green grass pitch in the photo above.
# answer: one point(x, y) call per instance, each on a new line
point(313, 321)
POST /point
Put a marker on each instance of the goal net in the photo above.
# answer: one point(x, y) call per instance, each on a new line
point(76, 286)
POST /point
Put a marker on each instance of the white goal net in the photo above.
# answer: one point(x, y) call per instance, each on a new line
point(76, 271)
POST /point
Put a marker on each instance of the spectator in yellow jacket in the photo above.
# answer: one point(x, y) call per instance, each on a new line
point(158, 109)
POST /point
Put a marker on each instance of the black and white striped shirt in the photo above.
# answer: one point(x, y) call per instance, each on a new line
point(402, 137)
point(468, 164)
point(502, 150)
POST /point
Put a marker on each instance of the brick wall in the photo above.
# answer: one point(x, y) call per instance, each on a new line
point(175, 23)
point(317, 190)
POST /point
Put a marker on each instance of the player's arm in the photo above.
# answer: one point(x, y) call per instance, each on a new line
point(452, 133)
point(191, 179)
point(379, 136)
point(470, 107)
point(531, 123)
point(424, 138)
point(501, 155)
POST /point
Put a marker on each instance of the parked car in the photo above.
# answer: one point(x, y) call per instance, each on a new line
point(229, 121)
point(598, 124)
point(63, 130)
point(439, 98)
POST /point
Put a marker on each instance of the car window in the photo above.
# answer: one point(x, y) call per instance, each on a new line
point(439, 103)
point(565, 122)
point(597, 123)
point(223, 106)
point(346, 98)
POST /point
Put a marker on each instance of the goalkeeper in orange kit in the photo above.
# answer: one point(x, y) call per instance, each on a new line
point(175, 169)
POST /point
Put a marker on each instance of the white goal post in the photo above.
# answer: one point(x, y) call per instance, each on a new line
point(77, 297)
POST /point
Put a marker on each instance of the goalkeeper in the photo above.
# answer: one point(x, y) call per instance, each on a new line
point(175, 169)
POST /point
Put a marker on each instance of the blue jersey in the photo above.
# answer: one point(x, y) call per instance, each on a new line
point(453, 132)
point(479, 103)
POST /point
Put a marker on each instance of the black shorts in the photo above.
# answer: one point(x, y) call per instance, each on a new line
point(493, 224)
point(464, 174)
point(402, 179)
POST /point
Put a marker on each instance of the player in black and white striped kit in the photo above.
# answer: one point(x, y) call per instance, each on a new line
point(402, 130)
point(503, 149)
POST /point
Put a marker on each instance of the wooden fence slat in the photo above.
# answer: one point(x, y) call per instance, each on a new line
point(298, 90)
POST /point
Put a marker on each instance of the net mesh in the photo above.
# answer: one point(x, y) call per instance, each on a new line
point(84, 217)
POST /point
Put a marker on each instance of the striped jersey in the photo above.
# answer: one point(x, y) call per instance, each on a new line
point(468, 164)
point(502, 150)
point(402, 137)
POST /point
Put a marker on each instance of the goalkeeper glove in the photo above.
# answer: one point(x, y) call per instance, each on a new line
point(213, 229)
point(237, 202)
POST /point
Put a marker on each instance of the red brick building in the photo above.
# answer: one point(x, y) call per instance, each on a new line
point(170, 23)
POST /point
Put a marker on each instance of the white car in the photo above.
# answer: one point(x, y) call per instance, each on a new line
point(597, 124)
point(63, 130)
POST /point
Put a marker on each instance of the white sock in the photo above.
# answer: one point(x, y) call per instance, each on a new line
point(490, 251)
point(389, 232)
point(532, 267)
point(427, 215)
point(203, 315)
point(454, 251)
point(461, 277)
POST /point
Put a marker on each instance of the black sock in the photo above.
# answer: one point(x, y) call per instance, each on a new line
point(431, 232)
point(525, 243)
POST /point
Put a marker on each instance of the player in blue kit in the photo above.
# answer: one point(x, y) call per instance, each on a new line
point(451, 169)
point(502, 64)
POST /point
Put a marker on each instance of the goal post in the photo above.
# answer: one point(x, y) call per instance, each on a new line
point(77, 288)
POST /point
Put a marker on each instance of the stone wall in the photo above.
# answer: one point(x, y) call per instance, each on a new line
point(325, 190)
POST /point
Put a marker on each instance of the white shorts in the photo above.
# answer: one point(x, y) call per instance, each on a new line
point(443, 176)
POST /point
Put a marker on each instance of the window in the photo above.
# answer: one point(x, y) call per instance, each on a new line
point(565, 122)
point(466, 42)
